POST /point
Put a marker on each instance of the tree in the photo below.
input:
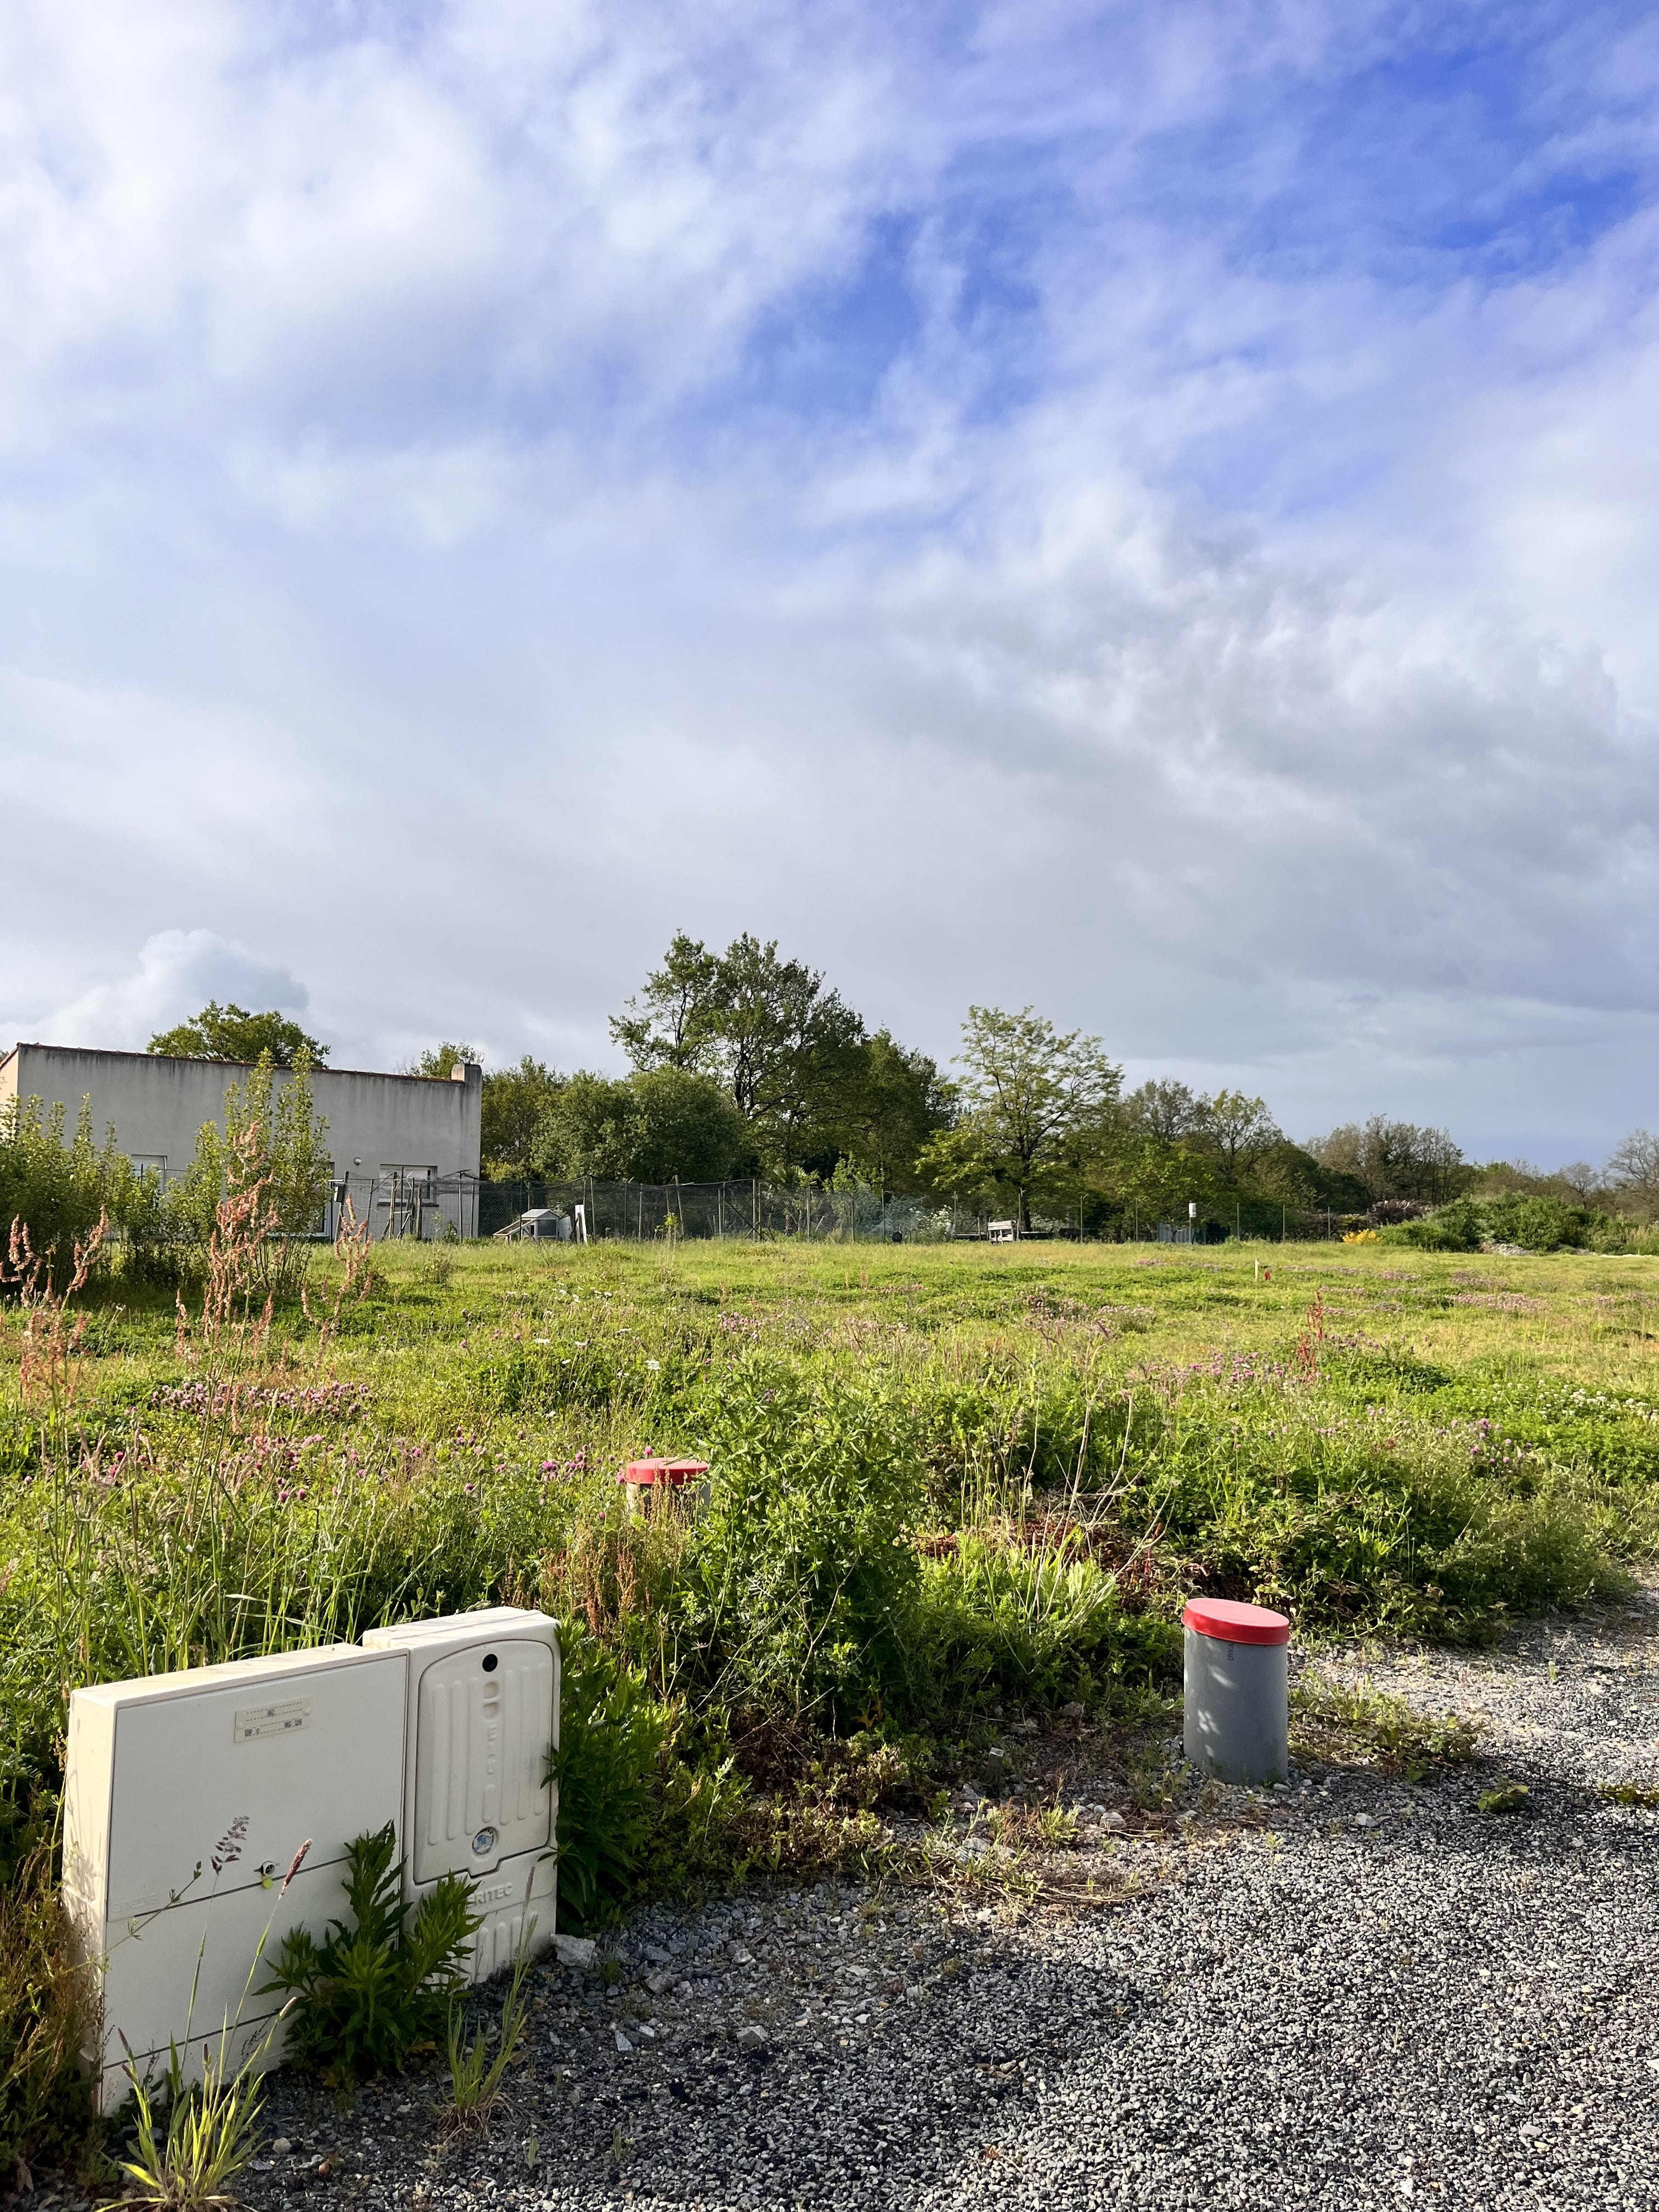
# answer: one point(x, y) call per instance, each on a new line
point(673, 1020)
point(1395, 1159)
point(784, 1047)
point(1241, 1129)
point(893, 1103)
point(652, 1127)
point(1286, 1173)
point(1142, 1174)
point(1633, 1171)
point(271, 1138)
point(442, 1061)
point(515, 1102)
point(1031, 1098)
point(1167, 1110)
point(232, 1033)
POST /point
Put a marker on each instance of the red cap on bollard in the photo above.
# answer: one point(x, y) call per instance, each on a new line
point(1232, 1623)
point(669, 1472)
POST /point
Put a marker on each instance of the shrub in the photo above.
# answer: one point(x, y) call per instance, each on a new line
point(1458, 1227)
point(378, 1989)
point(801, 1572)
point(58, 1187)
point(612, 1734)
point(1042, 1627)
point(1543, 1224)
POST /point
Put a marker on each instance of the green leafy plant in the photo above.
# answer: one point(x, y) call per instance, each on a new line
point(1641, 1793)
point(1505, 1797)
point(378, 1990)
point(803, 1570)
point(612, 1733)
point(475, 2072)
point(1335, 1723)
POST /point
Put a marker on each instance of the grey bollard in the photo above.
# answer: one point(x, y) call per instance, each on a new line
point(1236, 1691)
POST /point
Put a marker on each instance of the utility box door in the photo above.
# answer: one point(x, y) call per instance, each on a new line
point(186, 1797)
point(484, 1725)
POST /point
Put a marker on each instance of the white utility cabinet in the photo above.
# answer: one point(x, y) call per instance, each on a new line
point(186, 1797)
point(481, 1716)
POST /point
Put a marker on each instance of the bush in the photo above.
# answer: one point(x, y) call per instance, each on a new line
point(1041, 1628)
point(802, 1572)
point(1536, 1223)
point(1541, 1225)
point(612, 1733)
point(377, 1991)
point(58, 1187)
point(1459, 1227)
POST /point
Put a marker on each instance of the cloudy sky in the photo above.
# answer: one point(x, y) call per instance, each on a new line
point(1151, 512)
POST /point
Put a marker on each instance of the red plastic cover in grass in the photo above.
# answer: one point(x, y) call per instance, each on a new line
point(666, 1471)
point(1232, 1623)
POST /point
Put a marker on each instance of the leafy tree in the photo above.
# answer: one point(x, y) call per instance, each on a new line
point(647, 1127)
point(1031, 1101)
point(1395, 1160)
point(786, 1049)
point(893, 1103)
point(272, 1136)
point(442, 1061)
point(516, 1101)
point(1288, 1174)
point(1166, 1110)
point(56, 1186)
point(1241, 1130)
point(232, 1033)
point(673, 1020)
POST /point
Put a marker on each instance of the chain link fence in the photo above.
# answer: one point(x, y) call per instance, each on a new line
point(398, 1204)
point(643, 1212)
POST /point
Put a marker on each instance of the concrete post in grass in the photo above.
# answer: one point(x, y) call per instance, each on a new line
point(1236, 1691)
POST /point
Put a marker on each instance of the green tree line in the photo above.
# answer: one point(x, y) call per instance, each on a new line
point(744, 1062)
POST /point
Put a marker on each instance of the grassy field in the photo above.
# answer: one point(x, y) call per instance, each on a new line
point(943, 1476)
point(950, 1486)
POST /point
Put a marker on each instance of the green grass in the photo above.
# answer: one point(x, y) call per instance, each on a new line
point(947, 1481)
point(1075, 1435)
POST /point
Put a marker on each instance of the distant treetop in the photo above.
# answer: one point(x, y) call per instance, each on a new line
point(232, 1033)
point(440, 1061)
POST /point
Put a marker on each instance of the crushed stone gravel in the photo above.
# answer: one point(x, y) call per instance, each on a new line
point(1354, 1992)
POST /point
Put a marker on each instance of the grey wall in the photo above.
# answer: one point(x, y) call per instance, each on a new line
point(157, 1104)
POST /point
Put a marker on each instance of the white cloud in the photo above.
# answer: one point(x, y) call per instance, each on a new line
point(179, 971)
point(1035, 504)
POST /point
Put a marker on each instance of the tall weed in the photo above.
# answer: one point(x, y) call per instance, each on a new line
point(801, 1573)
point(611, 1737)
point(48, 2015)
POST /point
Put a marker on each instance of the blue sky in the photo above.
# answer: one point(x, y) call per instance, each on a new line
point(1145, 513)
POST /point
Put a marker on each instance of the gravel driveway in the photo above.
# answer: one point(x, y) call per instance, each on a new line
point(1360, 1994)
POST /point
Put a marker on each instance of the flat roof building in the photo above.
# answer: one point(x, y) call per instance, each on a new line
point(387, 1131)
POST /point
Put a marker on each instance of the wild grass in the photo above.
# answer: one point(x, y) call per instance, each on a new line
point(191, 2155)
point(476, 2073)
point(945, 1480)
point(48, 2015)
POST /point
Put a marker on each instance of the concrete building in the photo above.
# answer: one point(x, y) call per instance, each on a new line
point(401, 1142)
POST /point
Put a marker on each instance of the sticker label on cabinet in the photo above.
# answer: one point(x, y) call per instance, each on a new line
point(254, 1722)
